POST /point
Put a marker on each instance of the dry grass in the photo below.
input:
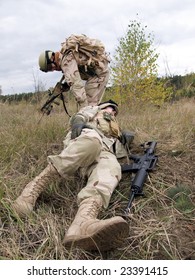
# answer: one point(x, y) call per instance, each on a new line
point(161, 223)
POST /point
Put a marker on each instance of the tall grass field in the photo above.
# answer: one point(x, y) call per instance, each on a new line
point(161, 223)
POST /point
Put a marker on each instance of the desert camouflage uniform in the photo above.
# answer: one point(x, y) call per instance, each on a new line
point(93, 151)
point(77, 67)
point(90, 147)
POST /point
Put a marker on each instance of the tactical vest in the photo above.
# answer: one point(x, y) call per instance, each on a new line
point(107, 124)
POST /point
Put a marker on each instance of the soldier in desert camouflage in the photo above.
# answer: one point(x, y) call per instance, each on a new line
point(80, 59)
point(91, 145)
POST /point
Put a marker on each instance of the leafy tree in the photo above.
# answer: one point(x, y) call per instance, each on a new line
point(134, 70)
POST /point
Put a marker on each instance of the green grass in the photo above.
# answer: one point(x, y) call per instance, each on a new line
point(161, 223)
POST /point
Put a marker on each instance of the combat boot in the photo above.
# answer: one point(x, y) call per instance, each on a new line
point(90, 233)
point(25, 203)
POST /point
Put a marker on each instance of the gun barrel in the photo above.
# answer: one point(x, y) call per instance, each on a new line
point(152, 146)
point(130, 202)
point(139, 181)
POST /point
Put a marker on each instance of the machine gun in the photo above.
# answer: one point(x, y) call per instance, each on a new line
point(57, 92)
point(141, 166)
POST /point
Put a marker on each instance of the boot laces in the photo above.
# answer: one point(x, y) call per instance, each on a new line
point(39, 182)
point(37, 188)
point(93, 210)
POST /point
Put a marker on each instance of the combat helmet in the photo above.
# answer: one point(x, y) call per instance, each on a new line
point(45, 60)
point(109, 103)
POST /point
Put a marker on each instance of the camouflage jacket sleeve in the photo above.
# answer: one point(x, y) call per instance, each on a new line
point(87, 113)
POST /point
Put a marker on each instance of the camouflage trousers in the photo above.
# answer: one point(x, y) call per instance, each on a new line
point(89, 153)
point(91, 91)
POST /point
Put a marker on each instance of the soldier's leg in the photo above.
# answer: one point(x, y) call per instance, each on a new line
point(72, 76)
point(80, 152)
point(25, 203)
point(103, 179)
point(86, 231)
point(96, 85)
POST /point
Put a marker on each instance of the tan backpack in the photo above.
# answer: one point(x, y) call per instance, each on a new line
point(92, 48)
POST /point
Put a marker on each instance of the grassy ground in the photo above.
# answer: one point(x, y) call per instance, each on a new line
point(161, 223)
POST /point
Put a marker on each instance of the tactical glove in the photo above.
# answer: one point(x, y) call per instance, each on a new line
point(65, 87)
point(58, 88)
point(61, 87)
point(77, 125)
point(126, 138)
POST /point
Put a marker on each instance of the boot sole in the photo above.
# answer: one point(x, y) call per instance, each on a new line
point(110, 237)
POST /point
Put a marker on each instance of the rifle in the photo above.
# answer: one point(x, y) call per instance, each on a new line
point(57, 92)
point(141, 166)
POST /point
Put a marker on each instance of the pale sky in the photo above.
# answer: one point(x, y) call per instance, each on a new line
point(28, 27)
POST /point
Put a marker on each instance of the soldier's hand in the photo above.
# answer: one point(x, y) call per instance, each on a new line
point(126, 138)
point(76, 130)
point(77, 124)
point(58, 88)
point(65, 87)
